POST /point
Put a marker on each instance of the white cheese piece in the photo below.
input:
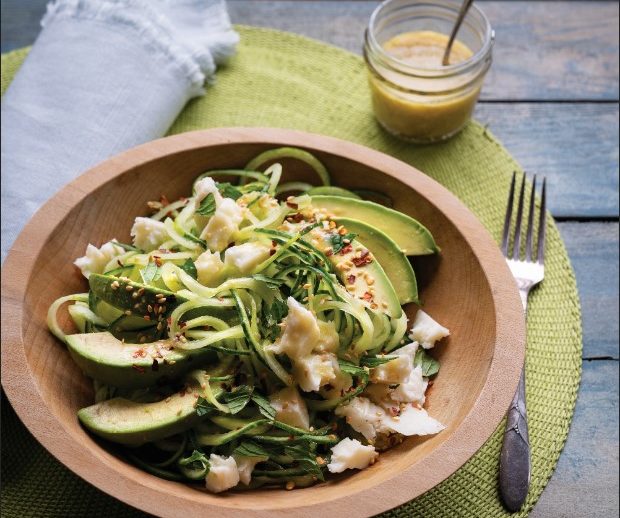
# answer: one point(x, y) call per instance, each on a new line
point(244, 258)
point(329, 339)
point(394, 371)
point(203, 188)
point(406, 350)
point(223, 473)
point(95, 259)
point(351, 454)
point(148, 233)
point(209, 268)
point(363, 416)
point(426, 331)
point(413, 421)
point(246, 465)
point(412, 389)
point(301, 332)
point(290, 408)
point(314, 371)
point(222, 225)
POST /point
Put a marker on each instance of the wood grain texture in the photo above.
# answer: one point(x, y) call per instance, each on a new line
point(593, 249)
point(585, 482)
point(480, 365)
point(543, 50)
point(571, 144)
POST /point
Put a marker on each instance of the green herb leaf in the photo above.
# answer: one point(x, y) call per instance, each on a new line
point(430, 366)
point(337, 241)
point(196, 466)
point(251, 449)
point(149, 273)
point(272, 316)
point(207, 205)
point(228, 190)
point(190, 268)
point(203, 407)
point(352, 369)
point(127, 248)
point(271, 283)
point(196, 456)
point(264, 406)
point(195, 239)
point(238, 399)
point(375, 361)
point(306, 459)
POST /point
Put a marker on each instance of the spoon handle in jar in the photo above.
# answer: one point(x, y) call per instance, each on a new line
point(457, 25)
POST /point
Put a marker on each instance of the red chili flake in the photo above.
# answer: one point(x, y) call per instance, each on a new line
point(272, 252)
point(146, 317)
point(155, 365)
point(296, 218)
point(157, 260)
point(361, 261)
point(274, 243)
point(119, 263)
point(367, 297)
point(164, 200)
point(138, 368)
point(140, 353)
point(292, 205)
point(207, 328)
point(169, 321)
point(351, 279)
point(346, 249)
point(394, 411)
point(329, 252)
point(181, 324)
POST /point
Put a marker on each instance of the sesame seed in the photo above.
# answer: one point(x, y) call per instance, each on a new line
point(128, 312)
point(129, 287)
point(290, 485)
point(134, 295)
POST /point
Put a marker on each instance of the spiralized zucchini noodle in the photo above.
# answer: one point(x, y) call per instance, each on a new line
point(259, 335)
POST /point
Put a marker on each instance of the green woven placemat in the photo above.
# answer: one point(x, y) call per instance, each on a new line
point(283, 80)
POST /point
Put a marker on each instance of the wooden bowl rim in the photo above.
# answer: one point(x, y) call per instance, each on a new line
point(159, 498)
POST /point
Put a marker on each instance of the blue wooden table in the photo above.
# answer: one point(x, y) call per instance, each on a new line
point(552, 98)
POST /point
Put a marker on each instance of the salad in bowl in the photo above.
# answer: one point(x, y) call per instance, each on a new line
point(252, 334)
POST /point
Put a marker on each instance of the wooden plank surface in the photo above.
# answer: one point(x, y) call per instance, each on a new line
point(570, 48)
point(585, 482)
point(574, 144)
point(593, 249)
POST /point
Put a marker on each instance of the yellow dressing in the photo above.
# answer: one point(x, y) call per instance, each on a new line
point(423, 108)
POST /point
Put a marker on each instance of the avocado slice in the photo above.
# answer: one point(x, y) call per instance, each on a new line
point(411, 236)
point(107, 359)
point(394, 262)
point(332, 190)
point(363, 276)
point(127, 422)
point(134, 298)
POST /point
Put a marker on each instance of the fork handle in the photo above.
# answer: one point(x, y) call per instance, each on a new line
point(514, 464)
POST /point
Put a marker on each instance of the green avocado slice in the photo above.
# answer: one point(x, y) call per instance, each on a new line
point(332, 191)
point(134, 298)
point(107, 359)
point(127, 422)
point(388, 254)
point(411, 236)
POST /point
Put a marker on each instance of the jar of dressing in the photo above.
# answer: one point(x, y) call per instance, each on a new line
point(414, 96)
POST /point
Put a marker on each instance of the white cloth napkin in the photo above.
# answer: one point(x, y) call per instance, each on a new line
point(103, 76)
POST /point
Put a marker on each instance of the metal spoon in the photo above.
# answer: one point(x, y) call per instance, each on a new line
point(462, 13)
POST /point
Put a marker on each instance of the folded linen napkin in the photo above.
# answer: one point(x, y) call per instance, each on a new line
point(103, 76)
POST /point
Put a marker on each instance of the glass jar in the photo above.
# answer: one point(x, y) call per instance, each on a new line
point(425, 103)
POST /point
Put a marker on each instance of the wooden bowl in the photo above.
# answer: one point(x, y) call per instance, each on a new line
point(468, 288)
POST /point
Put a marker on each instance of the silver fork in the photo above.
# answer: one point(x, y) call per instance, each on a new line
point(514, 469)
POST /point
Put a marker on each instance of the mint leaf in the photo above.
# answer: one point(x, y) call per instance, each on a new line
point(237, 399)
point(337, 241)
point(375, 361)
point(430, 366)
point(228, 190)
point(190, 268)
point(264, 406)
point(126, 247)
point(272, 316)
point(203, 407)
point(193, 238)
point(207, 205)
point(250, 449)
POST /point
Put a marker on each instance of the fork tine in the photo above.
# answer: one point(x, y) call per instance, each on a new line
point(530, 223)
point(506, 233)
point(517, 243)
point(540, 254)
